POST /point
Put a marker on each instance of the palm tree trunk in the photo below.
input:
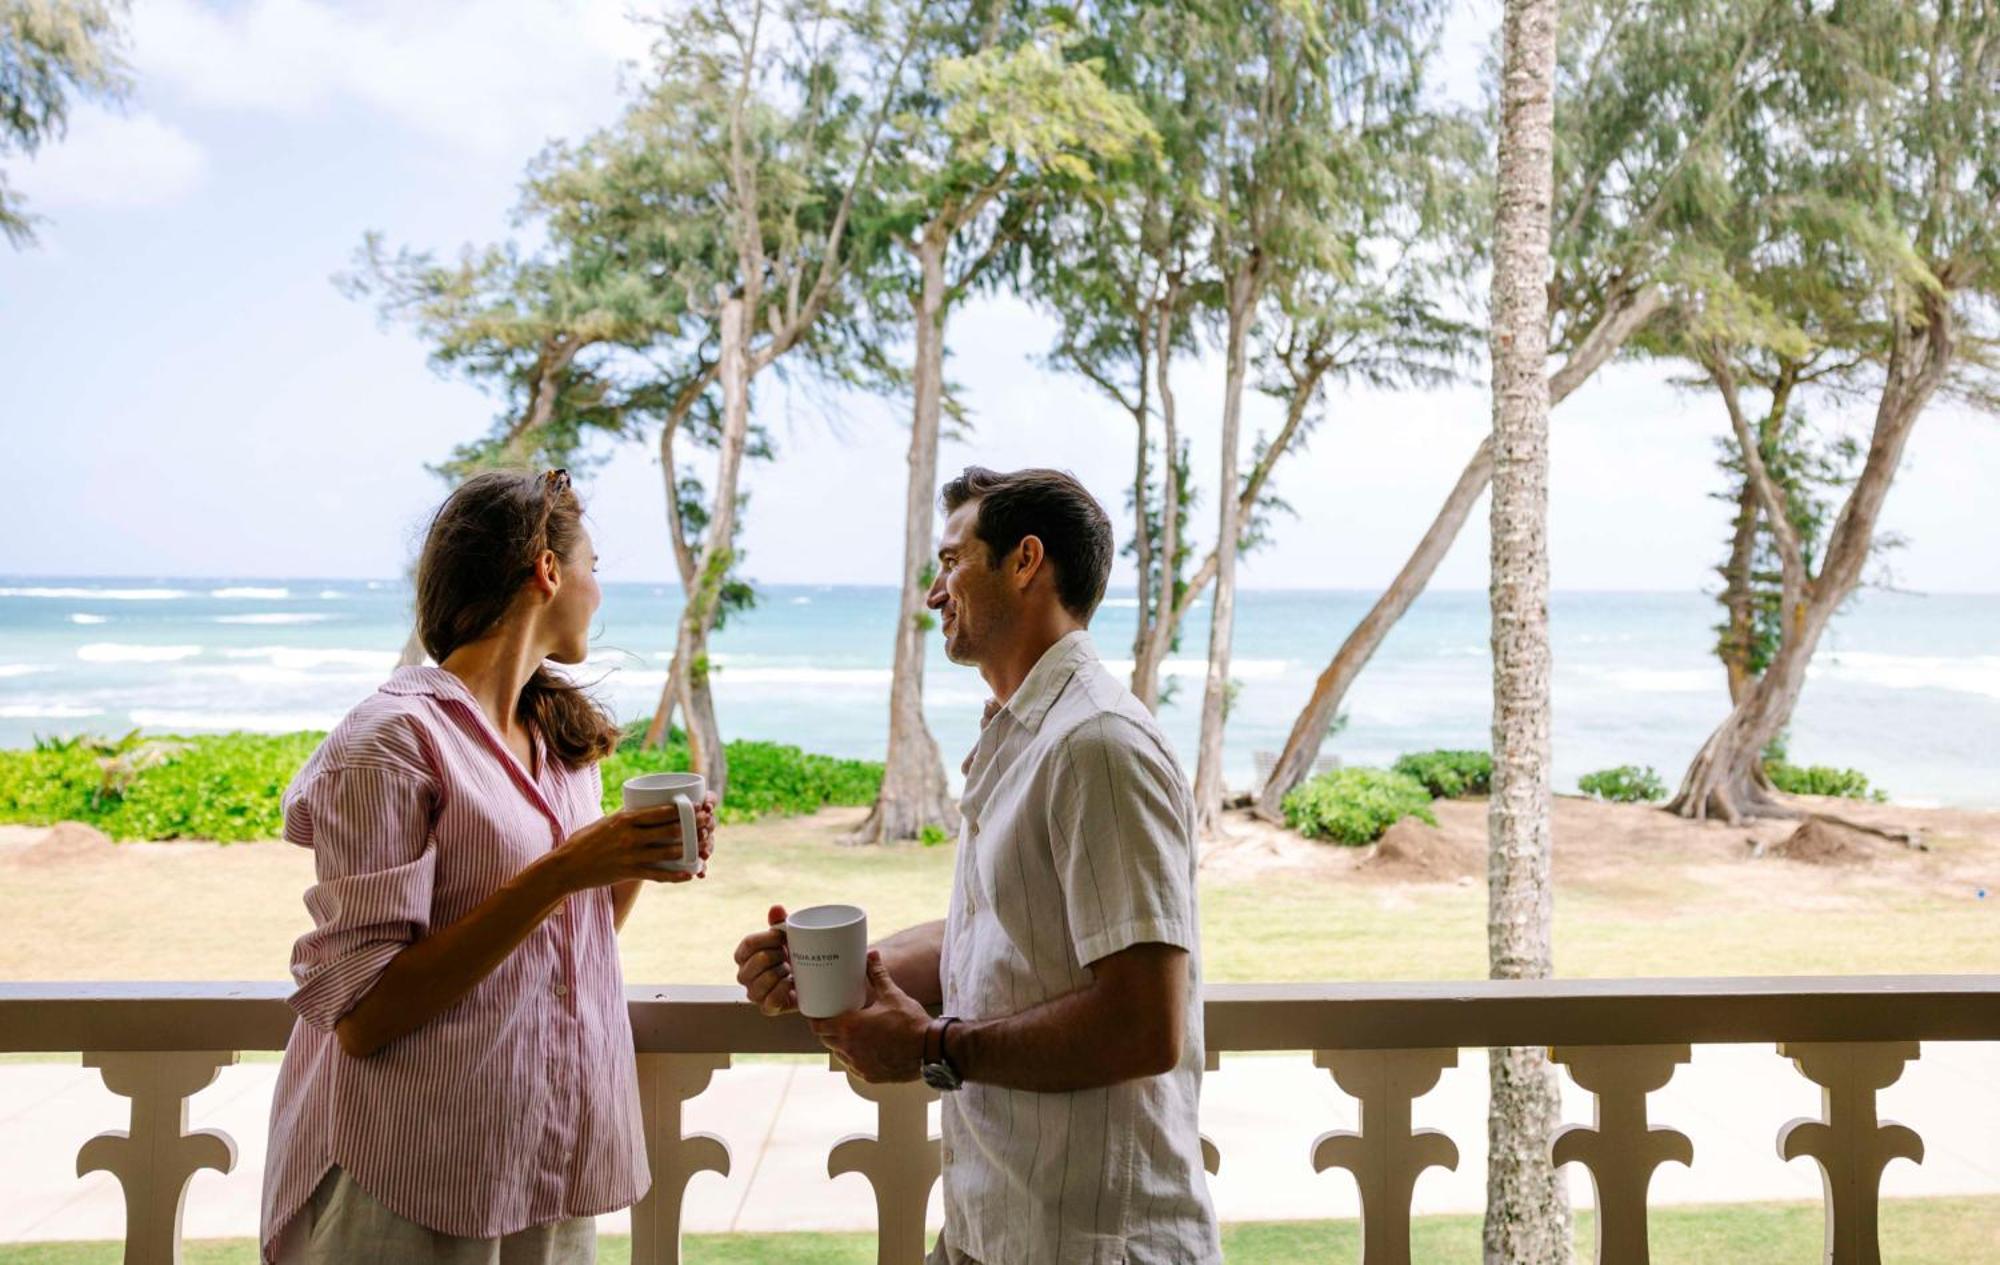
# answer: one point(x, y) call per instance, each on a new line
point(1208, 787)
point(914, 792)
point(1527, 1207)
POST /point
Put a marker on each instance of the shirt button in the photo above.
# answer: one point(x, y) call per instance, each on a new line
point(562, 990)
point(947, 1155)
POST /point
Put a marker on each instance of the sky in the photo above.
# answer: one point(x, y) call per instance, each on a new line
point(189, 395)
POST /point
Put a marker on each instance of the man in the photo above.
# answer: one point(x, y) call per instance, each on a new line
point(1069, 1042)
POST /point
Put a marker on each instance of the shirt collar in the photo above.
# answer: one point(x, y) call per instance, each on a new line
point(435, 682)
point(1045, 681)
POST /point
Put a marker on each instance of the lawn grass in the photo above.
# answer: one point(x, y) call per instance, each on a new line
point(1950, 1231)
point(196, 912)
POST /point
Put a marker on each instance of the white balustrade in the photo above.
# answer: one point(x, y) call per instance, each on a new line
point(900, 1161)
point(666, 1082)
point(1620, 1149)
point(154, 1159)
point(1385, 1156)
point(1385, 1044)
point(1851, 1147)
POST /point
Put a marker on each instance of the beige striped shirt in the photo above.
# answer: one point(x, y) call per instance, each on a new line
point(1076, 843)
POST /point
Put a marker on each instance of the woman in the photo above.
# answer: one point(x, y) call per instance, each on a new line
point(460, 1086)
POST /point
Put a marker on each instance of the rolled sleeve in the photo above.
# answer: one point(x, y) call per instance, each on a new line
point(1121, 832)
point(370, 832)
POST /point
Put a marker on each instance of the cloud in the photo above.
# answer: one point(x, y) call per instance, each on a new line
point(108, 158)
point(476, 73)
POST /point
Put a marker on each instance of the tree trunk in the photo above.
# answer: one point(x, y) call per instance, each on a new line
point(1142, 536)
point(1208, 786)
point(1739, 597)
point(1157, 621)
point(1527, 1207)
point(705, 749)
point(413, 649)
point(673, 691)
point(1620, 321)
point(1725, 779)
point(1309, 730)
point(914, 792)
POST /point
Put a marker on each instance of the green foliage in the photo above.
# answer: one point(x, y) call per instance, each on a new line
point(1821, 779)
point(932, 835)
point(50, 52)
point(764, 777)
point(1448, 774)
point(226, 788)
point(230, 787)
point(1626, 784)
point(1354, 806)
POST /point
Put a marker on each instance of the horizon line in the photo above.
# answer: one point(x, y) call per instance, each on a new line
point(673, 582)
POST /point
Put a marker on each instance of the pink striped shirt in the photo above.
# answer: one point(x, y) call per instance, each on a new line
point(518, 1105)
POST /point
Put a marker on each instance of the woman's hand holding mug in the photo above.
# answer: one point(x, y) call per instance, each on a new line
point(635, 843)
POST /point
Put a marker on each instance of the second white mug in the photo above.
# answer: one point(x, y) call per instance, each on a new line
point(828, 945)
point(650, 790)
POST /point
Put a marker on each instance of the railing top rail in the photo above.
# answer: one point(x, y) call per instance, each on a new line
point(71, 1016)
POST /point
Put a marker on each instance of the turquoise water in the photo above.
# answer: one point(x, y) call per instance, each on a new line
point(1905, 687)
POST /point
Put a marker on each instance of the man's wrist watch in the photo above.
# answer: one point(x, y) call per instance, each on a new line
point(938, 1071)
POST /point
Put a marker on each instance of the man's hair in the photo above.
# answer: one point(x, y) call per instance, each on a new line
point(1051, 506)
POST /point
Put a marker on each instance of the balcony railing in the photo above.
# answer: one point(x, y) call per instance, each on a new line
point(1384, 1044)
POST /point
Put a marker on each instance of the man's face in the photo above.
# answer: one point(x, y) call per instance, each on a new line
point(974, 602)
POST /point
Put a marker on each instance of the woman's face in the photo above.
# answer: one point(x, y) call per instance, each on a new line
point(567, 616)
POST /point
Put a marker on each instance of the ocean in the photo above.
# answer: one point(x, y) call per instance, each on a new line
point(1905, 687)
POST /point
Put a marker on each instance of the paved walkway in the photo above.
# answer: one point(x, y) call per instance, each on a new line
point(780, 1120)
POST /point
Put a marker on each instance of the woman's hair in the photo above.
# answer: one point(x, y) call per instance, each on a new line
point(480, 550)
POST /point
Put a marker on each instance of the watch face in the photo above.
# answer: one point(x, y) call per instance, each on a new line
point(939, 1076)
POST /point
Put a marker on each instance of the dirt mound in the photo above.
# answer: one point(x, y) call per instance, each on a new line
point(1418, 851)
point(1824, 841)
point(1248, 848)
point(67, 843)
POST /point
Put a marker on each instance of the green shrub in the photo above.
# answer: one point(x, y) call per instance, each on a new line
point(231, 787)
point(1354, 806)
point(1820, 779)
point(1626, 784)
point(52, 783)
point(764, 777)
point(226, 787)
point(1448, 774)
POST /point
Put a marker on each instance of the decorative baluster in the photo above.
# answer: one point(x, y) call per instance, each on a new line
point(1385, 1156)
point(155, 1158)
point(900, 1161)
point(1620, 1150)
point(1851, 1146)
point(666, 1083)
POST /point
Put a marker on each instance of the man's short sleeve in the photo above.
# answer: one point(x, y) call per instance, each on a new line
point(370, 832)
point(1120, 826)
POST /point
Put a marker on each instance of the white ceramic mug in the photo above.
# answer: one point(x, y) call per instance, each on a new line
point(828, 945)
point(651, 790)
